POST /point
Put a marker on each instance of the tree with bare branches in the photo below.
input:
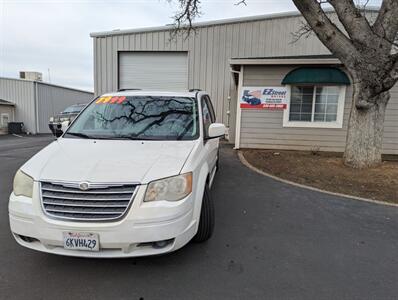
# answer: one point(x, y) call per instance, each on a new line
point(368, 52)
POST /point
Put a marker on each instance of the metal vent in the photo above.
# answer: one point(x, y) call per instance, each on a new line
point(86, 202)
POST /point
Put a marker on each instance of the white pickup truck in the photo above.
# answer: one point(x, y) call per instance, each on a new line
point(131, 176)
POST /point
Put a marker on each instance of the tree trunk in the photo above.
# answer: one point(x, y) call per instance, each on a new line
point(365, 130)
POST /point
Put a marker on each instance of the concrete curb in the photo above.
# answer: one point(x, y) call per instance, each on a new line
point(253, 168)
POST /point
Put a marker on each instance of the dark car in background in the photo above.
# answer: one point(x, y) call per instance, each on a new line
point(65, 117)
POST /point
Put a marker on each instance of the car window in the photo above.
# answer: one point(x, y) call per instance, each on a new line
point(73, 109)
point(210, 108)
point(207, 114)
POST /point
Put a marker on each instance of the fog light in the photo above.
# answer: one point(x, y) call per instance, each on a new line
point(27, 239)
point(161, 244)
point(157, 244)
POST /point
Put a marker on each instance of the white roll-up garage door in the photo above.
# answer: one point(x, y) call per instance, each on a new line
point(153, 70)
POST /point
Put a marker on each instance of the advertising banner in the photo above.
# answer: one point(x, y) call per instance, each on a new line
point(274, 98)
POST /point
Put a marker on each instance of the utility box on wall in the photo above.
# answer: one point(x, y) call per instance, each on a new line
point(35, 76)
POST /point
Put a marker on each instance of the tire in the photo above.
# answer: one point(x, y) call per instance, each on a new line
point(218, 161)
point(207, 218)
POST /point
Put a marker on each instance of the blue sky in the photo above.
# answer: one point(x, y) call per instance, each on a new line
point(37, 35)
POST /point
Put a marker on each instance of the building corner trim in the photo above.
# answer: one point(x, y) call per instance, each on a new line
point(36, 105)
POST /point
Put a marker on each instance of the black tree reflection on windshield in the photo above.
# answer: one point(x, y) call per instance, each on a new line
point(142, 117)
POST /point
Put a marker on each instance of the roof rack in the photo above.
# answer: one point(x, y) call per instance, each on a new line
point(194, 90)
point(122, 90)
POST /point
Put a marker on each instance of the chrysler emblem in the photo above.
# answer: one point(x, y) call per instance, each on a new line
point(84, 186)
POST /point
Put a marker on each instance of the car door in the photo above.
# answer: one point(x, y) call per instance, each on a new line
point(210, 145)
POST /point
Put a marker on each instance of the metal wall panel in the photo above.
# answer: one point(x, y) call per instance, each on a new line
point(209, 50)
point(264, 128)
point(153, 70)
point(20, 92)
point(54, 99)
point(51, 99)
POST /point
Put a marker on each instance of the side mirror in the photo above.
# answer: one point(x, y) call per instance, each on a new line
point(216, 130)
point(58, 130)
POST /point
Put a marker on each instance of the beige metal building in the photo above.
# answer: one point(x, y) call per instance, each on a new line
point(34, 102)
point(270, 92)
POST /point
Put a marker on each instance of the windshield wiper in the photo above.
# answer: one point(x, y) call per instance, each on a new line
point(116, 137)
point(133, 138)
point(82, 135)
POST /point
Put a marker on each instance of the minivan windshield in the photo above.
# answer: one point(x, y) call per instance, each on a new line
point(138, 118)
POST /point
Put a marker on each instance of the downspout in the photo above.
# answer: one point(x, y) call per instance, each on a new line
point(238, 109)
point(35, 101)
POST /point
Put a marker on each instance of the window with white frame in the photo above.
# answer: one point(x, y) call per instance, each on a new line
point(315, 106)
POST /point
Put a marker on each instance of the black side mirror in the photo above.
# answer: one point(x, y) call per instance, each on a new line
point(58, 130)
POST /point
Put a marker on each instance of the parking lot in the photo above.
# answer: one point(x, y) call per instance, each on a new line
point(272, 241)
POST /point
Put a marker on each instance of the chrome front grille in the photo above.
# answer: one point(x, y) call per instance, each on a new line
point(100, 202)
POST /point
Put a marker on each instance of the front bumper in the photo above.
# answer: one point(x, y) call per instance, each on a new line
point(145, 223)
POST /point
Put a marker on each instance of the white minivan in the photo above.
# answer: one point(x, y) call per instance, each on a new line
point(129, 177)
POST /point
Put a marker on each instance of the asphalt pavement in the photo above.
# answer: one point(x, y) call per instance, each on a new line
point(271, 241)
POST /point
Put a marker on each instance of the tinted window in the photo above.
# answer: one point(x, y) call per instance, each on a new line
point(210, 108)
point(208, 114)
point(138, 117)
point(73, 109)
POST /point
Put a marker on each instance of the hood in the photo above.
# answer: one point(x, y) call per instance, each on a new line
point(108, 161)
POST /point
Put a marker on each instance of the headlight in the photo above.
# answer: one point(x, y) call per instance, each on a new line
point(52, 119)
point(170, 189)
point(23, 184)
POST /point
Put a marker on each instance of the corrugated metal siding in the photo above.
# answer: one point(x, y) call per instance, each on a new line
point(51, 100)
point(54, 99)
point(209, 51)
point(264, 129)
point(21, 93)
point(390, 140)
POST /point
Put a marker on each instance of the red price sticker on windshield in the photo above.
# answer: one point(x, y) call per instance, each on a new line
point(111, 100)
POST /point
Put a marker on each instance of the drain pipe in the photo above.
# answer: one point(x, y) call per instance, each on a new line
point(36, 97)
point(238, 109)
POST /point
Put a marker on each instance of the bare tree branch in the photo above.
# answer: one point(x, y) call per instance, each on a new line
point(304, 31)
point(393, 75)
point(329, 34)
point(241, 2)
point(354, 22)
point(394, 71)
point(386, 24)
point(189, 10)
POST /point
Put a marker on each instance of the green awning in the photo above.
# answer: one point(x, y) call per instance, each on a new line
point(323, 75)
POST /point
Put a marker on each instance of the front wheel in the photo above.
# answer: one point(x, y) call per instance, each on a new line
point(206, 220)
point(218, 160)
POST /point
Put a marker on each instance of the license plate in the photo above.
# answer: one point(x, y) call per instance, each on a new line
point(81, 241)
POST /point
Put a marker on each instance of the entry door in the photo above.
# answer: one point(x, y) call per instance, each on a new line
point(5, 118)
point(153, 70)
